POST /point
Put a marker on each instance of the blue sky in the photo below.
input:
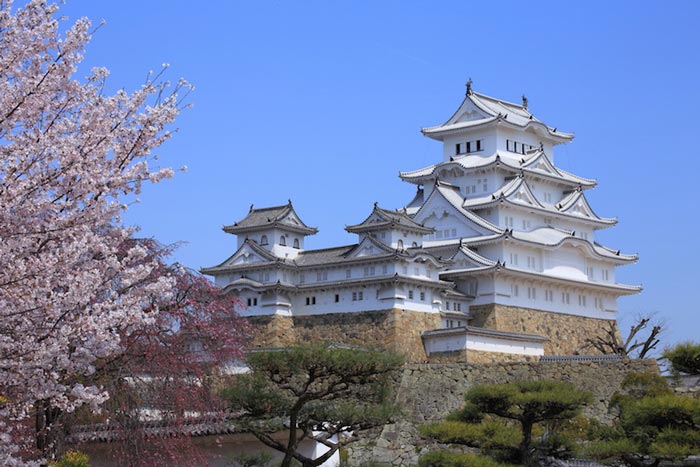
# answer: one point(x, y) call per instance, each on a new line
point(322, 102)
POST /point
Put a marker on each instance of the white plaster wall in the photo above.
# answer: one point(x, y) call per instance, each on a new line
point(503, 345)
point(454, 342)
point(407, 238)
point(501, 291)
point(373, 298)
point(540, 188)
point(449, 343)
point(527, 137)
point(566, 261)
point(487, 137)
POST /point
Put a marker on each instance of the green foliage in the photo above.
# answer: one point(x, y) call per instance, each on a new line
point(641, 384)
point(653, 421)
point(529, 401)
point(529, 404)
point(487, 434)
point(684, 358)
point(558, 445)
point(72, 459)
point(253, 459)
point(468, 413)
point(453, 459)
point(311, 386)
point(609, 449)
point(645, 418)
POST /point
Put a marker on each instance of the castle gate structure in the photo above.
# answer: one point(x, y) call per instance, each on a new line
point(494, 258)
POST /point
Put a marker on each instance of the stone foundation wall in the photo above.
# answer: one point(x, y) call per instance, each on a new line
point(567, 333)
point(397, 330)
point(428, 392)
point(272, 331)
point(478, 357)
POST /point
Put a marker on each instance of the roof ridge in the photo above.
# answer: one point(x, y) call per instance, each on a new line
point(500, 101)
point(269, 208)
point(302, 252)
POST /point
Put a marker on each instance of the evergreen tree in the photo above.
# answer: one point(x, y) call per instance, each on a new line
point(527, 403)
point(314, 393)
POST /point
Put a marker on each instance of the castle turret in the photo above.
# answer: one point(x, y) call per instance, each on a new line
point(277, 229)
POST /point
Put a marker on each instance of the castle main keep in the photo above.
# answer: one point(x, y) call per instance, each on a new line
point(494, 258)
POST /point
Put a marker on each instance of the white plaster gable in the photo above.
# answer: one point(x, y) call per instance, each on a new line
point(443, 210)
point(443, 217)
point(541, 163)
point(523, 195)
point(467, 113)
point(245, 255)
point(576, 204)
point(466, 258)
point(292, 219)
point(368, 247)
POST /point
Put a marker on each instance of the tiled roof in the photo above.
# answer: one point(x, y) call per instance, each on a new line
point(622, 289)
point(278, 216)
point(323, 256)
point(381, 218)
point(509, 161)
point(493, 110)
point(199, 426)
point(484, 332)
point(455, 199)
point(505, 195)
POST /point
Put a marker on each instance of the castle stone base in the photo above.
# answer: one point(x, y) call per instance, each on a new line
point(396, 329)
point(399, 330)
point(478, 357)
point(567, 333)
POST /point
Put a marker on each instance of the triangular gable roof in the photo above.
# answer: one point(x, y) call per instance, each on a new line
point(284, 217)
point(472, 257)
point(540, 163)
point(370, 244)
point(411, 208)
point(383, 218)
point(455, 200)
point(478, 109)
point(515, 190)
point(249, 253)
point(576, 204)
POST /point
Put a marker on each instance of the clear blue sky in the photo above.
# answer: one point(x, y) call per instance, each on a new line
point(322, 102)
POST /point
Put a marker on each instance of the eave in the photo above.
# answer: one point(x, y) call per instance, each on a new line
point(619, 289)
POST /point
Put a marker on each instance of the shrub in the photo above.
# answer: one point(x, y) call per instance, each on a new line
point(72, 459)
point(453, 459)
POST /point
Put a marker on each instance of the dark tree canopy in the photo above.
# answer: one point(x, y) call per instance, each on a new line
point(316, 392)
point(684, 358)
point(654, 424)
point(526, 402)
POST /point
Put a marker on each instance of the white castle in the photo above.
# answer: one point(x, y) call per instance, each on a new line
point(498, 243)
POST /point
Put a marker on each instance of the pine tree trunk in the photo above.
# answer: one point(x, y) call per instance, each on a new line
point(525, 454)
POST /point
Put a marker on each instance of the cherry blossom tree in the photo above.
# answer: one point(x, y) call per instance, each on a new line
point(71, 158)
point(166, 377)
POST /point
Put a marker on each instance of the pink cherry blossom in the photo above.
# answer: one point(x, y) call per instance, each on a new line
point(71, 159)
